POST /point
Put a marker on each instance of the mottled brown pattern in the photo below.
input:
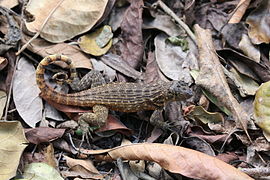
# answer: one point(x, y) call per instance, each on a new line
point(125, 97)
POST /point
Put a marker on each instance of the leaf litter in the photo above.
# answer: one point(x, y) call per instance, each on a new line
point(227, 68)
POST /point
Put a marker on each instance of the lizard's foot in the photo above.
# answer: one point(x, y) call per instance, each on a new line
point(97, 119)
point(86, 132)
point(157, 120)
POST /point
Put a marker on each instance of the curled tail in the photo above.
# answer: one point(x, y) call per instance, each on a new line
point(46, 91)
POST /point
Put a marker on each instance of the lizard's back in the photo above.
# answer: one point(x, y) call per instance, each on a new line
point(125, 97)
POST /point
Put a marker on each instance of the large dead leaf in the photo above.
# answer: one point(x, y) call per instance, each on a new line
point(26, 93)
point(170, 59)
point(175, 159)
point(12, 142)
point(69, 19)
point(212, 78)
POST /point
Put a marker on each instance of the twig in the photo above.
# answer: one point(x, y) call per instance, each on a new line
point(177, 19)
point(42, 27)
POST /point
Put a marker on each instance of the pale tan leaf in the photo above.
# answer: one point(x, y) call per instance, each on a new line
point(71, 18)
point(13, 143)
point(175, 159)
point(212, 78)
point(26, 93)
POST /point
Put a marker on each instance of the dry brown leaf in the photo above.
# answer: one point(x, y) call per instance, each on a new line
point(43, 134)
point(44, 48)
point(175, 159)
point(212, 78)
point(70, 18)
point(131, 27)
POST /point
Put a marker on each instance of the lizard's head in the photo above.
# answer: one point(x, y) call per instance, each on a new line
point(179, 90)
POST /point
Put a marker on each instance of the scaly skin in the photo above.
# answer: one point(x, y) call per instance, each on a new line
point(124, 97)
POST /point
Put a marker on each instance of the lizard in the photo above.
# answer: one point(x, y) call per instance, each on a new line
point(117, 96)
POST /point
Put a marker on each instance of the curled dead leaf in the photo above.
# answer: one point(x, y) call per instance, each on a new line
point(175, 159)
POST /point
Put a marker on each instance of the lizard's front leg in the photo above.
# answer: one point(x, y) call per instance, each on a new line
point(97, 118)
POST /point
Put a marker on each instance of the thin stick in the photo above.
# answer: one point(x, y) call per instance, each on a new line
point(42, 27)
point(177, 19)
